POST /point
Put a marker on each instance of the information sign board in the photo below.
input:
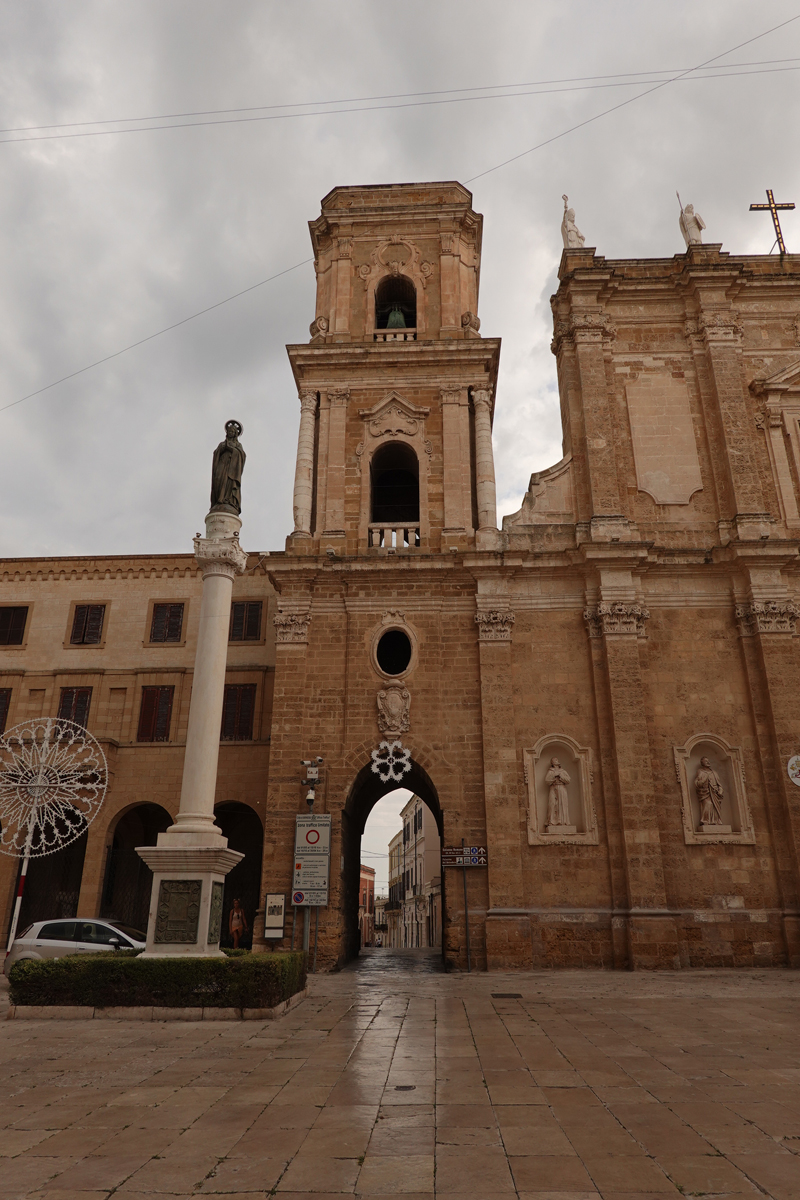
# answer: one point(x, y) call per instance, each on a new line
point(464, 856)
point(312, 853)
point(274, 913)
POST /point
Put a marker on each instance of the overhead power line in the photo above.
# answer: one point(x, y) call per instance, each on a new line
point(489, 170)
point(451, 96)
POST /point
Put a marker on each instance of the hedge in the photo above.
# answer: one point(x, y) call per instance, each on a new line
point(117, 979)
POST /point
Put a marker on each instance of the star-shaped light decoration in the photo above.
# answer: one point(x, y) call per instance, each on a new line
point(391, 761)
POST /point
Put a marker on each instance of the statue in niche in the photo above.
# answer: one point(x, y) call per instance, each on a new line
point(557, 798)
point(692, 225)
point(709, 794)
point(571, 236)
point(226, 472)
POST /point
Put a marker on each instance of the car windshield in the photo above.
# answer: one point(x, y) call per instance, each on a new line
point(135, 935)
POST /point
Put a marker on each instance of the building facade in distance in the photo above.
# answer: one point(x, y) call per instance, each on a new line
point(366, 905)
point(600, 688)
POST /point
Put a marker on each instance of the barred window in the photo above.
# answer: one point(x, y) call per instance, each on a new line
point(87, 624)
point(12, 625)
point(74, 705)
point(237, 712)
point(155, 714)
point(5, 701)
point(167, 623)
point(245, 621)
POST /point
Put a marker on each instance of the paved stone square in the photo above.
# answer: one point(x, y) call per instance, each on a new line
point(395, 1080)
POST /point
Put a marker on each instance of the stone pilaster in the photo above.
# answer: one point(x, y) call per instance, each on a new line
point(304, 468)
point(336, 458)
point(487, 537)
point(456, 460)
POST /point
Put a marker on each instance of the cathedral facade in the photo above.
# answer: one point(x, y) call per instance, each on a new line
point(600, 689)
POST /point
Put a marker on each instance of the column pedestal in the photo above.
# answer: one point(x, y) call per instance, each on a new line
point(186, 906)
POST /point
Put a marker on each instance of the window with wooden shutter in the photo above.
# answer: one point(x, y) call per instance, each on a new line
point(167, 623)
point(74, 705)
point(245, 621)
point(237, 712)
point(12, 625)
point(155, 714)
point(87, 624)
point(5, 703)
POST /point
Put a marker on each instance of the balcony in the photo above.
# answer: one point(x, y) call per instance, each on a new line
point(395, 335)
point(394, 537)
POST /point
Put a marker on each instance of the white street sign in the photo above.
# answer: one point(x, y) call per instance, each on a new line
point(312, 849)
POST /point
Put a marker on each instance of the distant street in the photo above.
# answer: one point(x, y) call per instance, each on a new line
point(394, 1079)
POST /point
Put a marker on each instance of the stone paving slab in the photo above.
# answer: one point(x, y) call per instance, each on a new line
point(394, 1080)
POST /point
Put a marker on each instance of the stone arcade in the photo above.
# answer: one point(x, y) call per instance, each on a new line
point(601, 688)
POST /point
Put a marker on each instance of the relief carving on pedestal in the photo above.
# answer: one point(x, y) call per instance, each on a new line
point(711, 779)
point(215, 914)
point(394, 703)
point(178, 912)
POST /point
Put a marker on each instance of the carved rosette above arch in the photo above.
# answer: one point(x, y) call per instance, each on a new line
point(616, 617)
point(767, 616)
point(584, 327)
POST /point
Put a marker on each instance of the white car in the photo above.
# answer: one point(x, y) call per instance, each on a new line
point(54, 939)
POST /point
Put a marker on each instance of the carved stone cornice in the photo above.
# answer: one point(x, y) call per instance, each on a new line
point(767, 616)
point(220, 556)
point(616, 617)
point(495, 625)
point(583, 327)
point(291, 627)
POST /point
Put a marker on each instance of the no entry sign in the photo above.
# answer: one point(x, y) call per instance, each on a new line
point(312, 852)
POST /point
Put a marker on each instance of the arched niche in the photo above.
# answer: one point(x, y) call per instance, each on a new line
point(395, 294)
point(367, 789)
point(394, 442)
point(727, 763)
point(128, 881)
point(241, 825)
point(394, 485)
point(576, 761)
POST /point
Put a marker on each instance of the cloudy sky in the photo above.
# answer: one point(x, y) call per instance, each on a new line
point(106, 239)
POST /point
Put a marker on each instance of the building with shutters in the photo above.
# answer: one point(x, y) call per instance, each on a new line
point(599, 687)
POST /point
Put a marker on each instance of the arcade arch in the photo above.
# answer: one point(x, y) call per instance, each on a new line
point(128, 880)
point(241, 825)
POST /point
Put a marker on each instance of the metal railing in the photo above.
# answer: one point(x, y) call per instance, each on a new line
point(394, 537)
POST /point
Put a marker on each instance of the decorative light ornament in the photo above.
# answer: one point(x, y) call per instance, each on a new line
point(53, 779)
point(391, 761)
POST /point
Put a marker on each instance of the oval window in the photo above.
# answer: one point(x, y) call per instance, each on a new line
point(394, 652)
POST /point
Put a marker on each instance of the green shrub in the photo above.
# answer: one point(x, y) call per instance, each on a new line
point(113, 980)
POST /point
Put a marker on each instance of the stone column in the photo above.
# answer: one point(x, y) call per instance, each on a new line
point(192, 858)
point(487, 537)
point(304, 469)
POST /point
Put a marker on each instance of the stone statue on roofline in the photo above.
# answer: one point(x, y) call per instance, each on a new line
point(571, 236)
point(692, 225)
point(226, 472)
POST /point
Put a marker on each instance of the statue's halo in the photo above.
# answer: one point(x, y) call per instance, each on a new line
point(238, 424)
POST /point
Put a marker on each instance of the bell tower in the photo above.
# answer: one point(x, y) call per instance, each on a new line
point(396, 384)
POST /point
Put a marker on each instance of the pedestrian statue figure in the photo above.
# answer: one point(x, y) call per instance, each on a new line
point(226, 473)
point(557, 799)
point(691, 223)
point(571, 236)
point(709, 794)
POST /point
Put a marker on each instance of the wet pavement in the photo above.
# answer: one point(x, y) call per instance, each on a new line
point(394, 1079)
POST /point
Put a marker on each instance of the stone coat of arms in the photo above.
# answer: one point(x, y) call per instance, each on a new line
point(394, 703)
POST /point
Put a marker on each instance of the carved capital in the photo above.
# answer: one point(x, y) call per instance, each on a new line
point(338, 396)
point(308, 402)
point(220, 556)
point(469, 321)
point(767, 616)
point(715, 327)
point(318, 327)
point(583, 328)
point(291, 627)
point(450, 395)
point(495, 625)
point(482, 398)
point(616, 617)
point(344, 247)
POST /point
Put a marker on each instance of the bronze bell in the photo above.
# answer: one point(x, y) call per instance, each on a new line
point(396, 318)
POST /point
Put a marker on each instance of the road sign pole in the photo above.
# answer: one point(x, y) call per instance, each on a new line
point(306, 927)
point(316, 935)
point(466, 912)
point(294, 922)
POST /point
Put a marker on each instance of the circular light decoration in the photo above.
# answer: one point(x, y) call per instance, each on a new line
point(53, 778)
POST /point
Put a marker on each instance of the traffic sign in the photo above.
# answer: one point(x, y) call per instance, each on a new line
point(464, 856)
point(312, 850)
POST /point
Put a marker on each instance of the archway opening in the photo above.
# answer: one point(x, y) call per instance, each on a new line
point(241, 825)
point(403, 846)
point(128, 880)
point(394, 479)
point(396, 303)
